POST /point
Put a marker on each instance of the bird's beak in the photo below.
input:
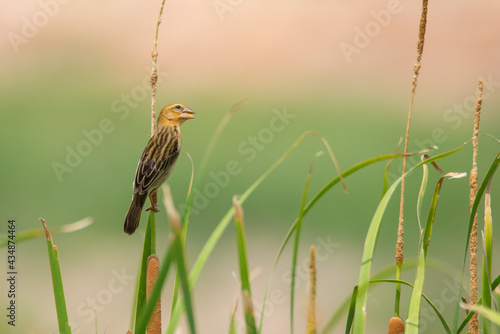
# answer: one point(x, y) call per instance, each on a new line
point(187, 113)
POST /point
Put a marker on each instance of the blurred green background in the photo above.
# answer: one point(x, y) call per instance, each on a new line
point(72, 69)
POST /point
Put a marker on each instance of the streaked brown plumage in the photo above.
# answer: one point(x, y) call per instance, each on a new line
point(157, 162)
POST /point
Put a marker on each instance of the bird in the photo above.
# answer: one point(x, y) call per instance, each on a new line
point(157, 162)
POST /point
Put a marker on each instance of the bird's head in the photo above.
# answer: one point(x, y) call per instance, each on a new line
point(175, 113)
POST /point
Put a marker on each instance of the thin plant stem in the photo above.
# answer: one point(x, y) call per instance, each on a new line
point(154, 71)
point(416, 71)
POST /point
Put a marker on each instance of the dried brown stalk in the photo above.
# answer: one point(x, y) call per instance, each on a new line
point(311, 317)
point(154, 72)
point(416, 71)
point(473, 290)
point(153, 268)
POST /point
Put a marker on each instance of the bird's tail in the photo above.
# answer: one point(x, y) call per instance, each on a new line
point(134, 213)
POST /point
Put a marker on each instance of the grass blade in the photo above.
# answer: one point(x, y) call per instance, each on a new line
point(221, 227)
point(296, 243)
point(196, 179)
point(146, 252)
point(387, 271)
point(310, 204)
point(370, 242)
point(246, 290)
point(487, 257)
point(464, 323)
point(232, 323)
point(475, 205)
point(148, 308)
point(38, 232)
point(486, 312)
point(415, 299)
point(57, 284)
point(183, 277)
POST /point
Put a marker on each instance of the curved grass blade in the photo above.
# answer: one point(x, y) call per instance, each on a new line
point(464, 323)
point(180, 260)
point(195, 179)
point(148, 308)
point(446, 327)
point(475, 205)
point(415, 299)
point(308, 206)
point(221, 227)
point(232, 323)
point(38, 232)
point(386, 170)
point(370, 243)
point(487, 257)
point(486, 312)
point(57, 284)
point(352, 309)
point(296, 243)
point(246, 290)
point(387, 271)
point(146, 252)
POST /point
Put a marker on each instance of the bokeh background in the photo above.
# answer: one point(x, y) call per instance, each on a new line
point(72, 69)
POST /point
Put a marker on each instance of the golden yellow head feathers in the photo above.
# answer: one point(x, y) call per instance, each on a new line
point(175, 113)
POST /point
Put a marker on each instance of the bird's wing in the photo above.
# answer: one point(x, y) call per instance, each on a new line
point(158, 157)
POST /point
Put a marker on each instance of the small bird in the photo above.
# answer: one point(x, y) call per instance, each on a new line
point(157, 162)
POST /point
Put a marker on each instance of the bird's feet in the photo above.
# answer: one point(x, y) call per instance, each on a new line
point(154, 208)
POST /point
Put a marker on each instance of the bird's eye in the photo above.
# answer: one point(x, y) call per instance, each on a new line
point(178, 107)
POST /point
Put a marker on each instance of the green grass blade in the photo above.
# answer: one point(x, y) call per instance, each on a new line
point(352, 309)
point(387, 271)
point(486, 312)
point(219, 230)
point(494, 285)
point(149, 306)
point(38, 232)
point(57, 284)
point(310, 204)
point(475, 205)
point(246, 290)
point(446, 327)
point(232, 323)
point(487, 258)
point(195, 179)
point(296, 243)
point(183, 277)
point(370, 243)
point(369, 249)
point(415, 299)
point(146, 252)
point(386, 170)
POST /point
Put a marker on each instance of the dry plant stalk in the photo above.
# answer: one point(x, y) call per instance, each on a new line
point(396, 326)
point(154, 72)
point(473, 290)
point(311, 316)
point(153, 268)
point(416, 71)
